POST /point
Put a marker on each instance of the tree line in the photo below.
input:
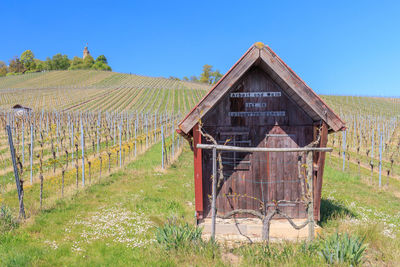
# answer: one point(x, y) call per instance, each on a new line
point(27, 63)
point(209, 76)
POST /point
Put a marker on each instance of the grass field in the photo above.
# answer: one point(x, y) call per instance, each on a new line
point(114, 221)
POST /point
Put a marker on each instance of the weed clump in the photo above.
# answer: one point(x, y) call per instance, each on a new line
point(337, 249)
point(7, 220)
point(343, 248)
point(174, 235)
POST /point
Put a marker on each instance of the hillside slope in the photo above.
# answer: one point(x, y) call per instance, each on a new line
point(98, 90)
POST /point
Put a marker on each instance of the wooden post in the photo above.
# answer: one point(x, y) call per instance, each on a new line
point(136, 121)
point(162, 146)
point(320, 171)
point(72, 140)
point(62, 182)
point(344, 149)
point(114, 131)
point(41, 187)
point(57, 131)
point(128, 136)
point(83, 154)
point(31, 155)
point(98, 135)
point(147, 131)
point(120, 145)
point(101, 163)
point(310, 208)
point(109, 161)
point(214, 192)
point(90, 172)
point(198, 171)
point(155, 127)
point(380, 160)
point(173, 141)
point(23, 141)
point(372, 154)
point(16, 173)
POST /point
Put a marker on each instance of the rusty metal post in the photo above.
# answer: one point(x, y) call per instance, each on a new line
point(214, 192)
point(310, 208)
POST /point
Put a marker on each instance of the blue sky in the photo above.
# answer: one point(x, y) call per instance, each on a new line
point(337, 47)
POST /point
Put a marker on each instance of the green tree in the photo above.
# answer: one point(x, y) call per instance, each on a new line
point(76, 63)
point(16, 66)
point(39, 65)
point(98, 65)
point(209, 75)
point(48, 64)
point(102, 59)
point(216, 75)
point(27, 58)
point(60, 62)
point(101, 63)
point(3, 69)
point(205, 76)
point(88, 62)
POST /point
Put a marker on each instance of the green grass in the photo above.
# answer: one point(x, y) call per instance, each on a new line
point(93, 227)
point(140, 193)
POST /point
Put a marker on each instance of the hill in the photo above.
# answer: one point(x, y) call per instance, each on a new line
point(98, 90)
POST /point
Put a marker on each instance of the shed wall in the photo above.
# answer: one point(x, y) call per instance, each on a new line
point(249, 178)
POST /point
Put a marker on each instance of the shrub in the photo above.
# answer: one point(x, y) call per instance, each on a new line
point(13, 73)
point(175, 235)
point(343, 249)
point(7, 221)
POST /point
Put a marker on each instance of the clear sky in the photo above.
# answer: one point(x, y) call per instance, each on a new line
point(338, 47)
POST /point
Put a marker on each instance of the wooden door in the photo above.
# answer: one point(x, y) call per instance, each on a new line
point(281, 182)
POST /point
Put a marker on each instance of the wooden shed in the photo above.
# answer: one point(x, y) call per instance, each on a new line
point(21, 110)
point(259, 102)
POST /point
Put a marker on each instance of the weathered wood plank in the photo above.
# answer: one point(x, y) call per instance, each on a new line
point(320, 173)
point(269, 172)
point(220, 89)
point(307, 95)
point(198, 177)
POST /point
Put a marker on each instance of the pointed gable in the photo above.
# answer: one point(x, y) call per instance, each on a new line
point(296, 89)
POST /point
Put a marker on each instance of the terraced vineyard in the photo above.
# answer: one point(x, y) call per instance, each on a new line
point(55, 96)
point(84, 123)
point(372, 138)
point(98, 90)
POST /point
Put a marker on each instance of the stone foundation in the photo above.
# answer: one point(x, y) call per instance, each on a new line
point(250, 230)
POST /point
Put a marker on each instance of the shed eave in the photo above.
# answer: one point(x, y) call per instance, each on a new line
point(289, 81)
point(219, 89)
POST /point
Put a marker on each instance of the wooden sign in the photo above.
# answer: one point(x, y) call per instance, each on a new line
point(257, 114)
point(256, 105)
point(255, 94)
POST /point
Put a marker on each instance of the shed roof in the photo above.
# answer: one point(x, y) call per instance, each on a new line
point(18, 106)
point(264, 57)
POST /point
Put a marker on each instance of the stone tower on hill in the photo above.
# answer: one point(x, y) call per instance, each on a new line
point(85, 52)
